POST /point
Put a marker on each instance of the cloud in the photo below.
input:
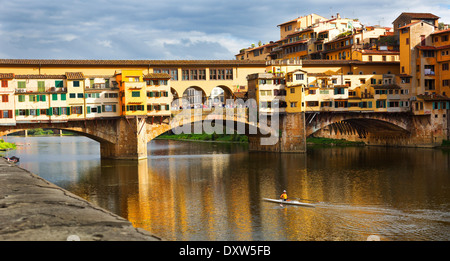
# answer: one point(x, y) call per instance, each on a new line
point(171, 29)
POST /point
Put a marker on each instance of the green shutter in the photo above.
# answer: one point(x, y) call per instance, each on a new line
point(63, 96)
point(167, 107)
point(41, 86)
point(43, 98)
point(54, 97)
point(88, 109)
point(99, 109)
point(59, 84)
point(21, 84)
point(38, 112)
point(114, 108)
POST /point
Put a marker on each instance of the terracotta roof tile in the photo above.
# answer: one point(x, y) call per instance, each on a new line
point(146, 63)
point(421, 15)
point(157, 76)
point(74, 75)
point(6, 75)
point(40, 76)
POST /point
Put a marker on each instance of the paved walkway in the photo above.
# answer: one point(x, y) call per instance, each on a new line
point(33, 209)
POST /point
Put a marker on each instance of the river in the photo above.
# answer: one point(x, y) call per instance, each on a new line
point(211, 191)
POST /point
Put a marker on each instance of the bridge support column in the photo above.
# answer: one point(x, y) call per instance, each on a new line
point(131, 140)
point(292, 135)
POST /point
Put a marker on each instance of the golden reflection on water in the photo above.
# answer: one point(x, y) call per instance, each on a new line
point(194, 191)
point(218, 197)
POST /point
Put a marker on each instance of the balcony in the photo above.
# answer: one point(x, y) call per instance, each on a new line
point(31, 90)
point(429, 72)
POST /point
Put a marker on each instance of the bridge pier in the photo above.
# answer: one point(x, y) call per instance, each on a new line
point(292, 135)
point(131, 140)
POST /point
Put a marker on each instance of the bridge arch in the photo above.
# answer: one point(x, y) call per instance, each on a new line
point(358, 124)
point(239, 124)
point(195, 95)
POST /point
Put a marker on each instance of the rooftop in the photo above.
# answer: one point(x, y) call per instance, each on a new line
point(146, 63)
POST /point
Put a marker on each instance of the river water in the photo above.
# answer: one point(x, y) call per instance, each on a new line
point(212, 191)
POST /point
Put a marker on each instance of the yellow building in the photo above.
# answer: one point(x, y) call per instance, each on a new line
point(75, 99)
point(296, 82)
point(132, 92)
point(159, 96)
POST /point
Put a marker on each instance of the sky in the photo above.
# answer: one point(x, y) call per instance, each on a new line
point(171, 29)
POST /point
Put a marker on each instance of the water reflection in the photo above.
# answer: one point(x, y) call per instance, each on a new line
point(206, 191)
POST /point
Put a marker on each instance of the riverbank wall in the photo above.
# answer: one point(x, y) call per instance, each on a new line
point(33, 209)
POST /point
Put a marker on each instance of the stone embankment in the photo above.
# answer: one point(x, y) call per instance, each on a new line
point(33, 209)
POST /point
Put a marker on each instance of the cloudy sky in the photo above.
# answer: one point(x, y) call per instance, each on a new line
point(170, 29)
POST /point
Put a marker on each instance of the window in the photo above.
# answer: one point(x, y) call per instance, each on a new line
point(59, 84)
point(77, 109)
point(221, 74)
point(194, 74)
point(54, 97)
point(4, 83)
point(429, 84)
point(5, 98)
point(444, 38)
point(63, 96)
point(292, 90)
point(229, 74)
point(41, 86)
point(56, 111)
point(428, 53)
point(76, 84)
point(370, 58)
point(79, 95)
point(293, 104)
point(135, 94)
point(7, 114)
point(339, 91)
point(445, 66)
point(380, 104)
point(72, 95)
point(21, 98)
point(299, 77)
point(21, 84)
point(109, 108)
point(407, 40)
point(445, 82)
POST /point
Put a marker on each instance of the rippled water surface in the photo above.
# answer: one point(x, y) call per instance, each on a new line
point(208, 191)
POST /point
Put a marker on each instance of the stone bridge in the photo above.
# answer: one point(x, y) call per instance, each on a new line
point(127, 137)
point(384, 128)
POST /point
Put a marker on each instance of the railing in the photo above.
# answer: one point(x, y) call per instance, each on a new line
point(39, 90)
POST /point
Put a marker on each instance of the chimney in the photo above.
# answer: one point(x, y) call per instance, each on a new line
point(338, 15)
